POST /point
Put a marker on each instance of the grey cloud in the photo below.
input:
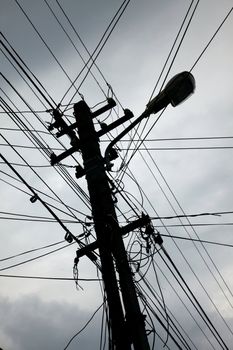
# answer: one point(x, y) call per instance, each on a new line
point(32, 324)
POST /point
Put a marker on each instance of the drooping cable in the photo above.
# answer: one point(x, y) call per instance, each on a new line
point(86, 324)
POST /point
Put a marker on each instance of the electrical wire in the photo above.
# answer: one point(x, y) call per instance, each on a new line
point(177, 148)
point(199, 240)
point(119, 13)
point(46, 195)
point(173, 195)
point(86, 324)
point(44, 42)
point(63, 172)
point(36, 258)
point(87, 51)
point(210, 41)
point(194, 300)
point(25, 69)
point(171, 50)
point(177, 50)
point(72, 43)
point(31, 251)
point(47, 278)
point(154, 296)
point(181, 299)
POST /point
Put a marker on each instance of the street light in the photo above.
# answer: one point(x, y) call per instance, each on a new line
point(177, 90)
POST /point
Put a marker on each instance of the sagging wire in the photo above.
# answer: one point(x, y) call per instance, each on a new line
point(86, 324)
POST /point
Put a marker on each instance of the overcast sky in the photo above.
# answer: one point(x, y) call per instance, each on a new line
point(38, 314)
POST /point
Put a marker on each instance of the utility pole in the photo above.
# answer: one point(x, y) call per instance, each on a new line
point(126, 320)
point(131, 327)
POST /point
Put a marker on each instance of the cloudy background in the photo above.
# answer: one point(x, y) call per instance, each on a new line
point(44, 314)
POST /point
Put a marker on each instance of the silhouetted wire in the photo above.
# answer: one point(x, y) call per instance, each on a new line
point(126, 199)
point(36, 258)
point(181, 299)
point(31, 251)
point(44, 42)
point(26, 82)
point(154, 296)
point(199, 240)
point(32, 147)
point(20, 130)
point(58, 140)
point(142, 142)
point(73, 44)
point(34, 138)
point(37, 220)
point(105, 311)
point(25, 72)
point(163, 300)
point(83, 195)
point(43, 203)
point(86, 49)
point(198, 279)
point(61, 170)
point(196, 234)
point(24, 112)
point(218, 213)
point(181, 41)
point(46, 195)
point(148, 306)
point(189, 293)
point(176, 139)
point(177, 50)
point(177, 148)
point(210, 41)
point(188, 264)
point(92, 58)
point(173, 195)
point(86, 324)
point(196, 225)
point(171, 64)
point(171, 50)
point(133, 178)
point(50, 278)
point(28, 165)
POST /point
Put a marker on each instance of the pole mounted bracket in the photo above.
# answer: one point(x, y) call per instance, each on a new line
point(143, 221)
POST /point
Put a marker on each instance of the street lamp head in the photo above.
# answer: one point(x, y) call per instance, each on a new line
point(177, 90)
point(180, 87)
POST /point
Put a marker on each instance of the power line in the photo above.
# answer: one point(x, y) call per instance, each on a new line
point(197, 225)
point(36, 258)
point(17, 61)
point(44, 42)
point(31, 251)
point(177, 50)
point(71, 209)
point(219, 213)
point(210, 41)
point(194, 301)
point(119, 13)
point(71, 41)
point(52, 278)
point(176, 148)
point(198, 240)
point(171, 50)
point(86, 324)
point(177, 139)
